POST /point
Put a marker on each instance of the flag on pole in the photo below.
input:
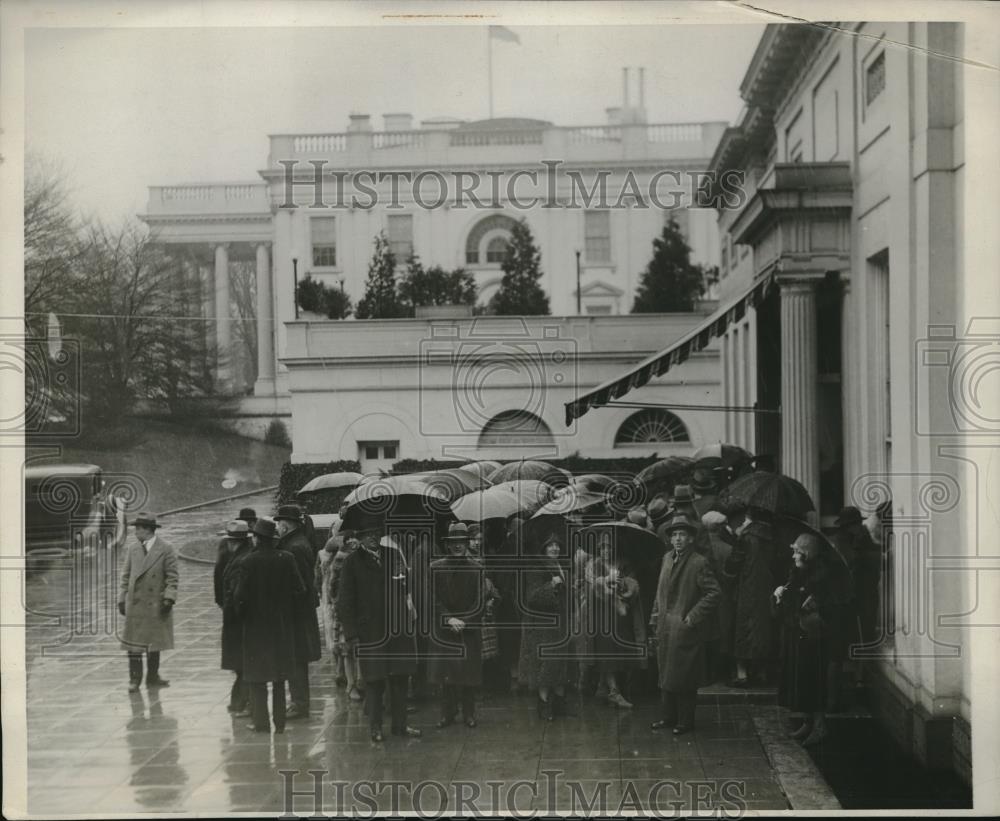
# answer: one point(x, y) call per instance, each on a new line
point(504, 33)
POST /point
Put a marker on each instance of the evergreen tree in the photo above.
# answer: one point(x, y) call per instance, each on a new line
point(380, 300)
point(671, 282)
point(435, 286)
point(519, 291)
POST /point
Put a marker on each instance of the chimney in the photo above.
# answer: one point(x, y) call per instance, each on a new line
point(625, 87)
point(359, 122)
point(614, 115)
point(398, 122)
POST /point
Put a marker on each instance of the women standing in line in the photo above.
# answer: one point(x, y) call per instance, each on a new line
point(545, 641)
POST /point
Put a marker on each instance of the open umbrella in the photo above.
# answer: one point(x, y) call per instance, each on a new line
point(568, 500)
point(531, 469)
point(773, 492)
point(502, 501)
point(719, 453)
point(370, 503)
point(637, 543)
point(332, 480)
point(664, 474)
point(454, 481)
point(595, 482)
point(483, 468)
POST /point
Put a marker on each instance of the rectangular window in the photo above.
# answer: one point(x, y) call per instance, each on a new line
point(875, 78)
point(323, 235)
point(401, 236)
point(597, 236)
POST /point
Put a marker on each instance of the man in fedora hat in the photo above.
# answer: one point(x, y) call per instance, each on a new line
point(687, 594)
point(146, 599)
point(458, 592)
point(248, 515)
point(268, 587)
point(233, 548)
point(375, 609)
point(308, 645)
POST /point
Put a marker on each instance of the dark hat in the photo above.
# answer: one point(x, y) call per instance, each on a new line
point(146, 520)
point(247, 514)
point(457, 532)
point(678, 522)
point(265, 528)
point(237, 529)
point(292, 513)
point(703, 480)
point(848, 516)
point(637, 516)
point(683, 495)
point(658, 510)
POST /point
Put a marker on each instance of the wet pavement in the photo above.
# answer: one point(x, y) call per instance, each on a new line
point(95, 748)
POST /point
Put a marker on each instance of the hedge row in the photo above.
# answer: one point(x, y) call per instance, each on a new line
point(294, 476)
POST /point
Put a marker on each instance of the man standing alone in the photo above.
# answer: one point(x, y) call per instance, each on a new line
point(146, 600)
point(308, 647)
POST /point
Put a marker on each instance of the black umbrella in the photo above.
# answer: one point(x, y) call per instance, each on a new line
point(719, 453)
point(502, 501)
point(661, 476)
point(531, 469)
point(639, 545)
point(455, 482)
point(369, 504)
point(773, 492)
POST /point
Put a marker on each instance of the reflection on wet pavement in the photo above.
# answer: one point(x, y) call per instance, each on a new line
point(95, 748)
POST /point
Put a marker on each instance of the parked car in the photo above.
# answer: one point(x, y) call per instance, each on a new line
point(67, 508)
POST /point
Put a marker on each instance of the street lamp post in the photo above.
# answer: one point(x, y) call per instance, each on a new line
point(295, 293)
point(578, 309)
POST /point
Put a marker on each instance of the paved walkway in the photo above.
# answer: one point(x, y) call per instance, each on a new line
point(94, 748)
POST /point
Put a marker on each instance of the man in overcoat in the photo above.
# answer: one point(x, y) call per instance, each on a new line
point(146, 599)
point(687, 594)
point(233, 549)
point(458, 591)
point(267, 589)
point(308, 645)
point(377, 614)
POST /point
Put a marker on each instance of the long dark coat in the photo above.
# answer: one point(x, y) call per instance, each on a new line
point(687, 595)
point(458, 588)
point(750, 566)
point(268, 585)
point(811, 610)
point(147, 580)
point(547, 630)
point(373, 606)
point(231, 554)
point(725, 614)
point(864, 560)
point(308, 645)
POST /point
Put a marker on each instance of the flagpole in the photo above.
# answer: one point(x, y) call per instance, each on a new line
point(489, 60)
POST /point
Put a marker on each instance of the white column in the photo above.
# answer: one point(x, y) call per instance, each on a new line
point(207, 286)
point(223, 329)
point(727, 393)
point(265, 323)
point(799, 439)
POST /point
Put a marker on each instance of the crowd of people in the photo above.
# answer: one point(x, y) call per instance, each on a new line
point(729, 597)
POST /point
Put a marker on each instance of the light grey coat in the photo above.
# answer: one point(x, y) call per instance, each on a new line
point(146, 582)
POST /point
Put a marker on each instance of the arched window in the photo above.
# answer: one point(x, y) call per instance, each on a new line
point(651, 426)
point(496, 248)
point(515, 427)
point(482, 242)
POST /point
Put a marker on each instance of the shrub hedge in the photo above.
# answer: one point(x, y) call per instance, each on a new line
point(294, 476)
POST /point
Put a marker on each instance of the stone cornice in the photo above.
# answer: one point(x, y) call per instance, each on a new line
point(416, 361)
point(150, 219)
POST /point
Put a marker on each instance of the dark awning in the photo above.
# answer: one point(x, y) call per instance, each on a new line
point(678, 352)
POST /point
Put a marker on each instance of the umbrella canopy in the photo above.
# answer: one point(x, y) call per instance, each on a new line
point(531, 469)
point(726, 455)
point(572, 499)
point(773, 492)
point(332, 480)
point(502, 501)
point(454, 481)
point(482, 468)
point(663, 475)
point(394, 495)
point(637, 542)
point(595, 482)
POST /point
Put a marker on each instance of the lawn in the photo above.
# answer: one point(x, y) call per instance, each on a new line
point(181, 466)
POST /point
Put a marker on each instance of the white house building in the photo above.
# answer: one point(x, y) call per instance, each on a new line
point(448, 191)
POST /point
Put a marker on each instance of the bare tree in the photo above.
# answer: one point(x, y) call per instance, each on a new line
point(51, 242)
